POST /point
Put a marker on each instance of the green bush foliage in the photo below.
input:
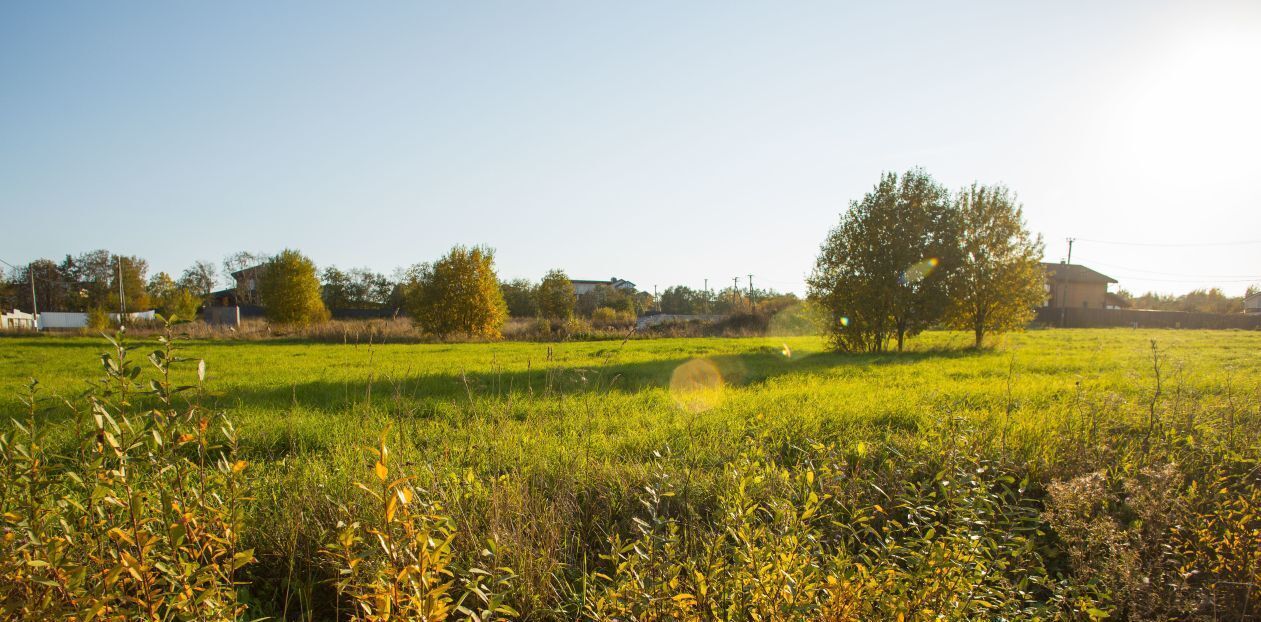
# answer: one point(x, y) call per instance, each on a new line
point(458, 294)
point(290, 290)
point(555, 295)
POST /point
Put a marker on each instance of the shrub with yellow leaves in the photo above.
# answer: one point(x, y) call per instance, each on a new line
point(142, 523)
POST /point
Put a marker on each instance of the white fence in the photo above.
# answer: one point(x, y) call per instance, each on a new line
point(59, 319)
point(63, 320)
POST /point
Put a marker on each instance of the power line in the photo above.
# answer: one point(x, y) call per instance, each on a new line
point(1170, 244)
point(1182, 274)
point(1209, 281)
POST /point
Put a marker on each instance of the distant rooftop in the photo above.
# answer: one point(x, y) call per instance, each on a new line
point(1075, 273)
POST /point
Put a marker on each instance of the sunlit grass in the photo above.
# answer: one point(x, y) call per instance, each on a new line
point(547, 448)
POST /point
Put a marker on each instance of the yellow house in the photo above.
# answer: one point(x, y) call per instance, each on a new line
point(1075, 286)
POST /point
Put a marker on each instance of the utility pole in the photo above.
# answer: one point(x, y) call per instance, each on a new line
point(706, 298)
point(656, 302)
point(1070, 249)
point(750, 287)
point(122, 302)
point(30, 273)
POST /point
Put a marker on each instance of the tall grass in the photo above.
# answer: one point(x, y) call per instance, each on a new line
point(1049, 479)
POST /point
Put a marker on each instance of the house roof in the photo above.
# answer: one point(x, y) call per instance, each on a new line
point(1074, 273)
point(1115, 300)
point(613, 282)
point(240, 273)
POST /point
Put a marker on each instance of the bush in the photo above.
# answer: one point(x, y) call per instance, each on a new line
point(458, 294)
point(142, 522)
point(606, 317)
point(556, 296)
point(98, 319)
point(290, 290)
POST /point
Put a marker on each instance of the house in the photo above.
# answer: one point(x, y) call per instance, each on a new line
point(244, 293)
point(1252, 304)
point(583, 286)
point(1076, 286)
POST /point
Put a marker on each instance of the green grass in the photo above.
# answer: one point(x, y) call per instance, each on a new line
point(562, 438)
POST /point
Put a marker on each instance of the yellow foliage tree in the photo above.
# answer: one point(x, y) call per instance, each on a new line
point(458, 294)
point(290, 290)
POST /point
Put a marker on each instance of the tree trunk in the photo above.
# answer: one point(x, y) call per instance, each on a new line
point(980, 336)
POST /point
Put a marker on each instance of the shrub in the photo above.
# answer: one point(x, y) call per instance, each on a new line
point(458, 294)
point(98, 319)
point(140, 522)
point(290, 290)
point(606, 317)
point(556, 296)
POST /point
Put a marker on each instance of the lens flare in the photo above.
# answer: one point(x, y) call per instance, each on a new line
point(696, 385)
point(788, 352)
point(919, 271)
point(844, 321)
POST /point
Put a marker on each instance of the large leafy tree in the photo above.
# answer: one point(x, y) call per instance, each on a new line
point(357, 288)
point(519, 295)
point(882, 272)
point(682, 300)
point(458, 294)
point(92, 272)
point(290, 291)
point(999, 279)
point(556, 296)
point(199, 278)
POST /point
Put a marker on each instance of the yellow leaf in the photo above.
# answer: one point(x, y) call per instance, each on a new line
point(239, 466)
point(390, 508)
point(381, 471)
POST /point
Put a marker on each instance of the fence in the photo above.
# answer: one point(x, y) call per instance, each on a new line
point(1101, 318)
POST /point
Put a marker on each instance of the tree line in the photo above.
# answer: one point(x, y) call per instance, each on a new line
point(1212, 300)
point(459, 292)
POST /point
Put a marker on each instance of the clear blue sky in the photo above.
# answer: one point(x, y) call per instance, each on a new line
point(645, 140)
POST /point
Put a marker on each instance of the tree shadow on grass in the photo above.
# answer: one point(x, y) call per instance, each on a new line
point(568, 379)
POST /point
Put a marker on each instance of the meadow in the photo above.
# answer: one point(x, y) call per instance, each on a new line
point(1061, 474)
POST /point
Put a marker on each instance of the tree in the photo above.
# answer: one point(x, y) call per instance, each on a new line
point(199, 278)
point(881, 273)
point(614, 298)
point(132, 271)
point(53, 291)
point(358, 288)
point(520, 298)
point(459, 293)
point(556, 296)
point(290, 291)
point(92, 272)
point(999, 280)
point(172, 299)
point(335, 288)
point(680, 300)
point(239, 262)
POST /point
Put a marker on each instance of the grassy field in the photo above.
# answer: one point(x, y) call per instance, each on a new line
point(734, 478)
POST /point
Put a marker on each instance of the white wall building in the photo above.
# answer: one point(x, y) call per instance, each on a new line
point(17, 320)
